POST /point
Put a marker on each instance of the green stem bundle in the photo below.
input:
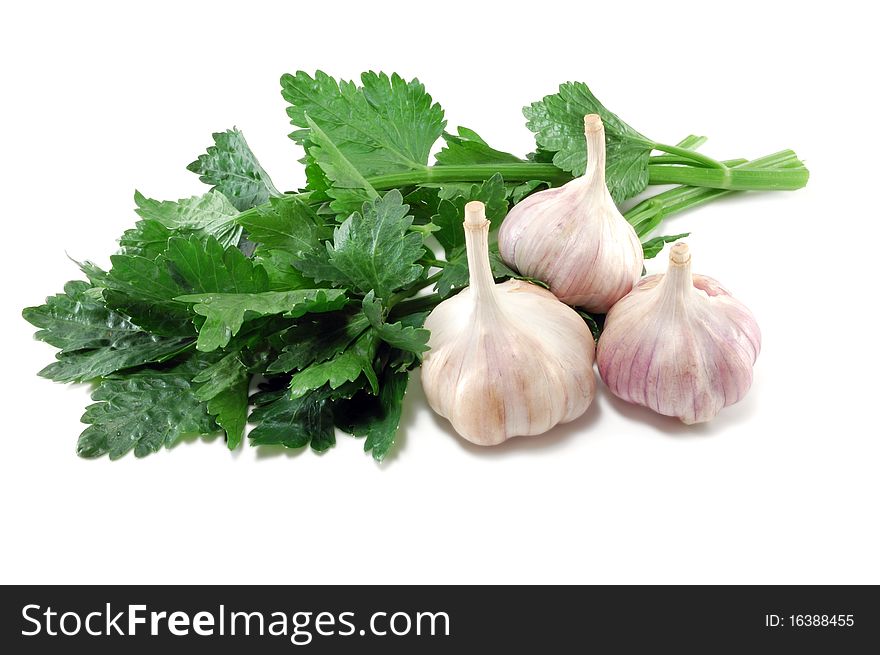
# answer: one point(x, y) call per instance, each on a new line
point(672, 168)
point(646, 215)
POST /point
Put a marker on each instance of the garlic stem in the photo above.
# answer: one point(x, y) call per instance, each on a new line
point(678, 281)
point(594, 131)
point(680, 255)
point(476, 235)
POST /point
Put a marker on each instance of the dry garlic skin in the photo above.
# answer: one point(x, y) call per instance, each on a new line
point(679, 344)
point(574, 238)
point(505, 360)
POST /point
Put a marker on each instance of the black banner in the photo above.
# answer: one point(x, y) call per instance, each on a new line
point(395, 619)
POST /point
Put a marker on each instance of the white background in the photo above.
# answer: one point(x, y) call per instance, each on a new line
point(101, 99)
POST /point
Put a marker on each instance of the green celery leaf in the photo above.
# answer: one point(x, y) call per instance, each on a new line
point(233, 170)
point(287, 231)
point(74, 321)
point(147, 289)
point(375, 417)
point(230, 410)
point(399, 335)
point(450, 211)
point(317, 338)
point(294, 422)
point(423, 202)
point(317, 266)
point(224, 385)
point(348, 366)
point(205, 266)
point(415, 320)
point(209, 215)
point(348, 188)
point(558, 123)
point(455, 275)
point(270, 390)
point(142, 277)
point(280, 267)
point(96, 275)
point(404, 360)
point(374, 250)
point(540, 155)
point(316, 180)
point(144, 411)
point(286, 224)
point(652, 247)
point(138, 349)
point(148, 238)
point(226, 372)
point(225, 312)
point(387, 125)
point(144, 289)
point(468, 147)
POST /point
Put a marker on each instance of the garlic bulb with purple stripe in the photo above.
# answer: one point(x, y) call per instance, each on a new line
point(505, 359)
point(679, 344)
point(574, 238)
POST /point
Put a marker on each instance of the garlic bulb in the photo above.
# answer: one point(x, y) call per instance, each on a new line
point(574, 238)
point(679, 344)
point(505, 359)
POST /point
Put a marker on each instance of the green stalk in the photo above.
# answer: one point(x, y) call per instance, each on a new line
point(670, 159)
point(692, 142)
point(734, 179)
point(712, 174)
point(398, 297)
point(718, 176)
point(511, 172)
point(691, 155)
point(781, 159)
point(645, 216)
point(420, 304)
